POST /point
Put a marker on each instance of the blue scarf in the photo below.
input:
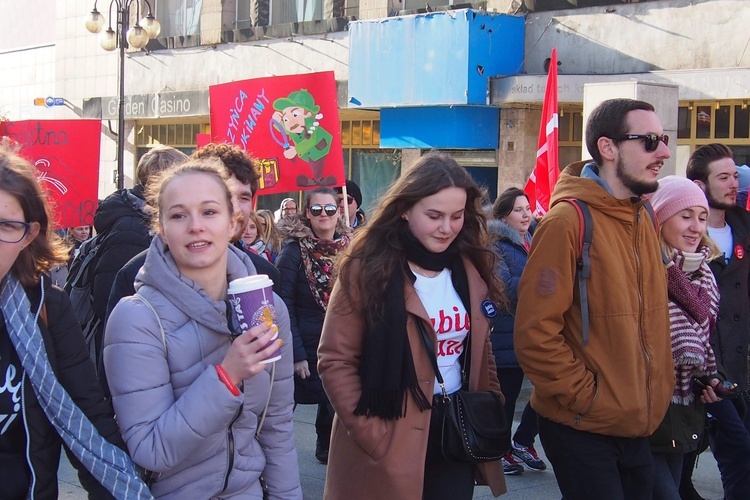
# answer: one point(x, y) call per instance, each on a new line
point(107, 463)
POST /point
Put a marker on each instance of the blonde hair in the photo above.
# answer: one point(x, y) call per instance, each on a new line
point(706, 241)
point(209, 166)
point(270, 236)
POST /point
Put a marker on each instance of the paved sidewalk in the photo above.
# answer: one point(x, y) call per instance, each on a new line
point(528, 486)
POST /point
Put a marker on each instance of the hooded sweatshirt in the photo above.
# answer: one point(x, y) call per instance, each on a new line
point(620, 383)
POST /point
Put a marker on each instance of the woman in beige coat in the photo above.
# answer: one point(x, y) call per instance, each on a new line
point(421, 258)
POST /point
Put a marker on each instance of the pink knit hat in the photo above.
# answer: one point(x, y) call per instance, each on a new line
point(674, 195)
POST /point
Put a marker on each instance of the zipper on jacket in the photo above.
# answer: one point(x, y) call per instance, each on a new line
point(641, 328)
point(577, 420)
point(230, 448)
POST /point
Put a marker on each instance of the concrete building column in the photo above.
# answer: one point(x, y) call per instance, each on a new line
point(664, 98)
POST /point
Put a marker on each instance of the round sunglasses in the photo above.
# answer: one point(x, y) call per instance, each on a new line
point(330, 210)
point(650, 141)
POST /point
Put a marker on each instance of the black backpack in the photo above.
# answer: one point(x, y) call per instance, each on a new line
point(79, 286)
point(586, 224)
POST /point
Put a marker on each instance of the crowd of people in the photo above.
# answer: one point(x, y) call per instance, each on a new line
point(627, 306)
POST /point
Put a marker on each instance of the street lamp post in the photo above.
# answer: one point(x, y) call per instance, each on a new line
point(136, 37)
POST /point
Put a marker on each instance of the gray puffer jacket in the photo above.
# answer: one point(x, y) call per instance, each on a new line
point(176, 417)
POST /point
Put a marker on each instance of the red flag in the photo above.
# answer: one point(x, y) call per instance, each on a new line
point(547, 170)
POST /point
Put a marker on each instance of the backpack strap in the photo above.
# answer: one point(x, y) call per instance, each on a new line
point(655, 221)
point(586, 225)
point(158, 320)
point(262, 418)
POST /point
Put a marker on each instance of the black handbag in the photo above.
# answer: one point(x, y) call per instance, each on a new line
point(474, 427)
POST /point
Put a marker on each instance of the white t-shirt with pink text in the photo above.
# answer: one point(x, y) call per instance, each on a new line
point(451, 323)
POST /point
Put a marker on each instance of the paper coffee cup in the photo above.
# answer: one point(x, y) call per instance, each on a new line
point(252, 300)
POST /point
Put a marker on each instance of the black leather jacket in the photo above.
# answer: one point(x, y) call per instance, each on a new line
point(73, 368)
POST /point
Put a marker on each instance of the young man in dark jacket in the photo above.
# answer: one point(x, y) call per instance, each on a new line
point(712, 168)
point(123, 216)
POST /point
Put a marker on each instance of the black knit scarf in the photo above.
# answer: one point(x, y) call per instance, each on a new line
point(387, 370)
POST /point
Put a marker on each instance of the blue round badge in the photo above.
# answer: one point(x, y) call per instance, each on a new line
point(489, 309)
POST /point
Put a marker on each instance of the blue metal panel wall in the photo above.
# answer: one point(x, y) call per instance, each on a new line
point(495, 48)
point(441, 127)
point(439, 58)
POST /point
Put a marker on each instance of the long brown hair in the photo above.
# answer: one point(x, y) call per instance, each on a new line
point(270, 236)
point(47, 250)
point(377, 250)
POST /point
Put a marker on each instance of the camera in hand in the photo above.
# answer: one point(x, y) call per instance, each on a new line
point(724, 389)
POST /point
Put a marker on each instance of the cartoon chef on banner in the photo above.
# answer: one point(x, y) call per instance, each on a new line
point(299, 117)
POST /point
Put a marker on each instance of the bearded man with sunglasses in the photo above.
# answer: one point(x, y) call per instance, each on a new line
point(600, 395)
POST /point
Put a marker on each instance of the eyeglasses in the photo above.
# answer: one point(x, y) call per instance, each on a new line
point(316, 210)
point(651, 141)
point(13, 231)
point(290, 210)
point(349, 199)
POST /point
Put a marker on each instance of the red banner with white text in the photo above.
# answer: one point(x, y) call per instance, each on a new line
point(290, 124)
point(66, 156)
point(542, 182)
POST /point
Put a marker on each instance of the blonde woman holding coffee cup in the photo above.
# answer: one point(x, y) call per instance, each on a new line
point(189, 391)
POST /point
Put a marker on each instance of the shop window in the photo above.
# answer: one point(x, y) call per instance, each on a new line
point(295, 11)
point(577, 127)
point(721, 122)
point(703, 122)
point(570, 126)
point(420, 4)
point(684, 117)
point(741, 154)
point(249, 13)
point(178, 17)
point(741, 122)
point(563, 126)
point(178, 135)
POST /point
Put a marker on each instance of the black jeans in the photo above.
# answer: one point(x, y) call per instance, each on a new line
point(444, 480)
point(731, 447)
point(591, 466)
point(324, 424)
point(511, 380)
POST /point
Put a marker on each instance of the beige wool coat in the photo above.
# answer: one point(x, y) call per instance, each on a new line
point(372, 458)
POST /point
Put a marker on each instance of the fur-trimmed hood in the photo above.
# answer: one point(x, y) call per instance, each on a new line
point(500, 230)
point(297, 228)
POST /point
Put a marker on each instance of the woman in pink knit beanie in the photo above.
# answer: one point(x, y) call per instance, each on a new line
point(682, 211)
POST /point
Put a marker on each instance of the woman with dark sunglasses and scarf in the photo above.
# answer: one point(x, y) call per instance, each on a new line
point(313, 239)
point(422, 258)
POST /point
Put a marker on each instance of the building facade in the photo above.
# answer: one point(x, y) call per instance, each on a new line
point(467, 78)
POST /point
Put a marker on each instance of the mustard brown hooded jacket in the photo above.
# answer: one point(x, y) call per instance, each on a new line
point(621, 381)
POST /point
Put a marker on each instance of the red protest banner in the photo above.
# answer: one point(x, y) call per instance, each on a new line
point(542, 182)
point(201, 140)
point(66, 156)
point(289, 123)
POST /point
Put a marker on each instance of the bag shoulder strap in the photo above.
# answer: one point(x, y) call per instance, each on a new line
point(585, 234)
point(158, 320)
point(433, 359)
